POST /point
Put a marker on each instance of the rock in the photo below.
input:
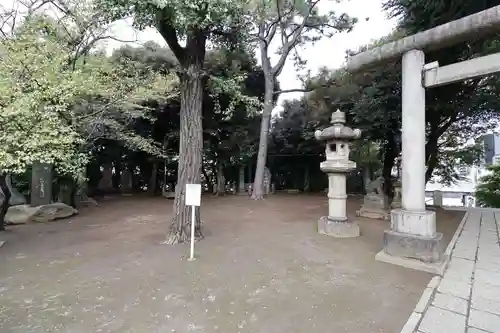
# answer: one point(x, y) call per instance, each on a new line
point(25, 214)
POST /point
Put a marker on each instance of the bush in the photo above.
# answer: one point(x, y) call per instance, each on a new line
point(488, 191)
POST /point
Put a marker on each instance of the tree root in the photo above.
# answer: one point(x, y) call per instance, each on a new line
point(257, 197)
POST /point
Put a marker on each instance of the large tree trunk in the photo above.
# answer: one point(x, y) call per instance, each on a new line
point(432, 146)
point(190, 153)
point(6, 198)
point(432, 156)
point(258, 186)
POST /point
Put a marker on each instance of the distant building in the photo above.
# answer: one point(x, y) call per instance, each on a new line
point(462, 192)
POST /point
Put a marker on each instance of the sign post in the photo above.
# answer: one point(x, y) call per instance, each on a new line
point(193, 199)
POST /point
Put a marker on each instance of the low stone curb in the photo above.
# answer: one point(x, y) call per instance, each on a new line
point(454, 239)
point(422, 305)
point(428, 295)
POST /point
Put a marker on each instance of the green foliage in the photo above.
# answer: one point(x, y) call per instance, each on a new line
point(292, 24)
point(36, 86)
point(488, 191)
point(221, 21)
point(455, 113)
point(54, 106)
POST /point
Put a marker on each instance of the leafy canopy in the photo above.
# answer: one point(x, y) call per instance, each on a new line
point(488, 191)
point(45, 111)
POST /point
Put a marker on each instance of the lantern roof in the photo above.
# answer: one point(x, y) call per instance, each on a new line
point(338, 130)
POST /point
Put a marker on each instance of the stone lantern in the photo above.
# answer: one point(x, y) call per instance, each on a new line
point(337, 165)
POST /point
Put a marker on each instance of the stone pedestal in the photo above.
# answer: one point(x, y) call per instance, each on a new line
point(336, 224)
point(374, 207)
point(336, 228)
point(413, 241)
point(438, 199)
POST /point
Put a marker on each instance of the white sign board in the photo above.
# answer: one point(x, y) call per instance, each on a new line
point(193, 194)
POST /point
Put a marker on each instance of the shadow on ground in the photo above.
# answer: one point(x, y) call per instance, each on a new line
point(262, 268)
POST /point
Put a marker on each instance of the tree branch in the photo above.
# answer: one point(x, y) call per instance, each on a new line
point(306, 90)
point(170, 35)
point(288, 45)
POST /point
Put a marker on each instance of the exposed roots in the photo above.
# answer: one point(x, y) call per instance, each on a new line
point(257, 197)
point(183, 235)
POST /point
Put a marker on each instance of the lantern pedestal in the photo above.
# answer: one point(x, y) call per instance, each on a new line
point(335, 228)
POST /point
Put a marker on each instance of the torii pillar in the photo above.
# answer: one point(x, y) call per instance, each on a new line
point(412, 240)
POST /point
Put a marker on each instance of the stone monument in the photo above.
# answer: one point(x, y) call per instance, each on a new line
point(337, 165)
point(267, 181)
point(375, 201)
point(126, 181)
point(396, 200)
point(106, 181)
point(41, 184)
point(438, 198)
point(16, 198)
point(241, 181)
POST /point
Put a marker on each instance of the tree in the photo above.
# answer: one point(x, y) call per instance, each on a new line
point(55, 106)
point(197, 23)
point(229, 127)
point(293, 23)
point(488, 191)
point(455, 113)
point(294, 152)
point(36, 86)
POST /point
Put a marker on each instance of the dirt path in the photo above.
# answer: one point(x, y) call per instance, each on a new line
point(262, 268)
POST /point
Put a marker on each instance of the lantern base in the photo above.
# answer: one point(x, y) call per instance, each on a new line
point(338, 228)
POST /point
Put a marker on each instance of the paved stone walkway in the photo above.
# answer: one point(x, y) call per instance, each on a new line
point(467, 298)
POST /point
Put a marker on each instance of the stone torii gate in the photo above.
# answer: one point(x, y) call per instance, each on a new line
point(412, 240)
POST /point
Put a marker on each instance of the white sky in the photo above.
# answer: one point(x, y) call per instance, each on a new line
point(326, 53)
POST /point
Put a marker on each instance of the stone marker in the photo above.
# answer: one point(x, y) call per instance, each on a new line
point(16, 198)
point(106, 181)
point(241, 182)
point(41, 184)
point(396, 200)
point(375, 201)
point(126, 181)
point(267, 181)
point(337, 165)
point(438, 198)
